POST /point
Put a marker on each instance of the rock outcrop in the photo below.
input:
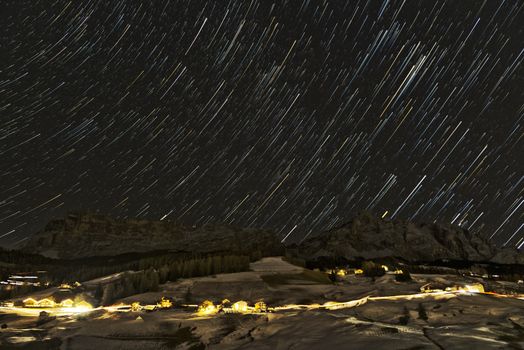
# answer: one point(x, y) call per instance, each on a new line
point(368, 237)
point(86, 235)
point(364, 237)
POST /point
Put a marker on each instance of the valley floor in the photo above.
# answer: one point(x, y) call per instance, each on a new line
point(390, 315)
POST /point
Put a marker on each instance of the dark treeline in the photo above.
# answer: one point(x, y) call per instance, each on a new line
point(148, 280)
point(15, 291)
point(174, 261)
point(17, 257)
point(169, 265)
point(507, 272)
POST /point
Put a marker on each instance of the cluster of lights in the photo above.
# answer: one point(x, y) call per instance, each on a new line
point(468, 288)
point(345, 272)
point(207, 308)
point(65, 305)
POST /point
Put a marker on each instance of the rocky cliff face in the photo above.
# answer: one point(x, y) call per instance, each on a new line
point(85, 235)
point(368, 237)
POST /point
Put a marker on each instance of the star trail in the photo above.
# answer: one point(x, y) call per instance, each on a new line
point(290, 115)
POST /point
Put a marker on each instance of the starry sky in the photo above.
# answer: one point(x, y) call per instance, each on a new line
point(290, 115)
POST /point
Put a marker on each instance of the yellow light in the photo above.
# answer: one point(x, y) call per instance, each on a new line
point(165, 303)
point(46, 302)
point(82, 308)
point(359, 272)
point(83, 305)
point(135, 306)
point(260, 306)
point(240, 306)
point(207, 308)
point(67, 303)
point(385, 213)
point(385, 268)
point(30, 302)
point(474, 288)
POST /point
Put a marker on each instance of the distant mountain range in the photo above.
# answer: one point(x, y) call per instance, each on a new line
point(82, 235)
point(369, 237)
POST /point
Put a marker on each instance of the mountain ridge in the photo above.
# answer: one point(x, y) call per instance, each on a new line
point(81, 235)
point(365, 236)
point(369, 237)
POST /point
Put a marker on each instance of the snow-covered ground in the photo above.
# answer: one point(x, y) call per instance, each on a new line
point(448, 321)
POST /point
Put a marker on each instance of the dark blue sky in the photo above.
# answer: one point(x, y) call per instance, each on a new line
point(291, 115)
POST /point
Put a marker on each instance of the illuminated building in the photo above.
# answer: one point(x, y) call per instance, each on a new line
point(207, 308)
point(46, 302)
point(30, 302)
point(67, 303)
point(83, 305)
point(260, 306)
point(165, 303)
point(240, 307)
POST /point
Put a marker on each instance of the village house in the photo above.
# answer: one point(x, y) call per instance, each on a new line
point(83, 304)
point(67, 303)
point(260, 306)
point(46, 302)
point(30, 302)
point(165, 303)
point(64, 287)
point(240, 306)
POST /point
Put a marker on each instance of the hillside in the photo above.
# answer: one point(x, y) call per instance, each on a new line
point(369, 237)
point(364, 237)
point(302, 310)
point(87, 235)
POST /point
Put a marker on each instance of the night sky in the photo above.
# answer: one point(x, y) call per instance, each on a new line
point(290, 115)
